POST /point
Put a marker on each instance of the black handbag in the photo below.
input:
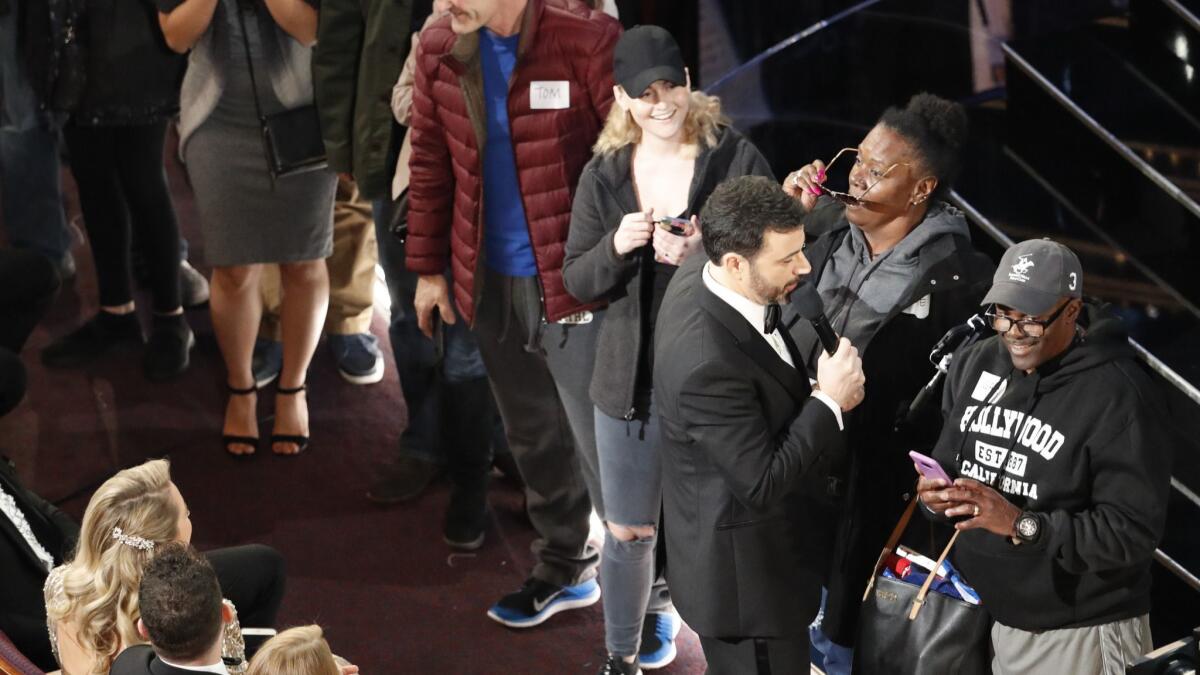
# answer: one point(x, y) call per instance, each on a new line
point(292, 140)
point(904, 629)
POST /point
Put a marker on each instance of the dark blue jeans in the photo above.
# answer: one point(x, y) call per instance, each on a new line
point(30, 192)
point(420, 366)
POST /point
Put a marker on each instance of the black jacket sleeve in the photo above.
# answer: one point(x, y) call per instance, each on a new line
point(728, 426)
point(591, 266)
point(340, 28)
point(1130, 475)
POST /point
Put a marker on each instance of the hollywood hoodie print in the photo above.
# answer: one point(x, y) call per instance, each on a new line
point(1080, 442)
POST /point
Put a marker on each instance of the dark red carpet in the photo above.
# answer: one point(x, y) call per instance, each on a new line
point(391, 596)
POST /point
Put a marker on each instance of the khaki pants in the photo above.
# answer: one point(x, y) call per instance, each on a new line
point(351, 270)
point(1094, 650)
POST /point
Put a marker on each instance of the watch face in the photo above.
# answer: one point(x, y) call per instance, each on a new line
point(1027, 527)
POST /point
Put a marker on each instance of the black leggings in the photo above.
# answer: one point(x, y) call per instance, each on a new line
point(122, 182)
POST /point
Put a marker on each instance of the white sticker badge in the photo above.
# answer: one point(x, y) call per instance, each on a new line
point(549, 95)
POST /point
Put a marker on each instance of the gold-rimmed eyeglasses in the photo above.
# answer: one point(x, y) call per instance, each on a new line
point(875, 174)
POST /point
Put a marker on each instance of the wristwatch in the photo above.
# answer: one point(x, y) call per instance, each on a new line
point(1027, 528)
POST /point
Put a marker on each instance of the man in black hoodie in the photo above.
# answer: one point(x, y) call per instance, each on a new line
point(1064, 470)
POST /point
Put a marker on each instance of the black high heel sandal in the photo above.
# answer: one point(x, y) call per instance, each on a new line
point(228, 440)
point(300, 441)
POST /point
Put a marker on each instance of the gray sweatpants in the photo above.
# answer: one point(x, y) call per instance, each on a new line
point(1094, 650)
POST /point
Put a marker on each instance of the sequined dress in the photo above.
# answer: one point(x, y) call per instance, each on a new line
point(233, 646)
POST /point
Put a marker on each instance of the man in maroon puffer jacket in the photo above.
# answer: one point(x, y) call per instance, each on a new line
point(510, 96)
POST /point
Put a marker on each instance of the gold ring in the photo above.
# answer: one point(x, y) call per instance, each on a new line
point(796, 179)
point(976, 510)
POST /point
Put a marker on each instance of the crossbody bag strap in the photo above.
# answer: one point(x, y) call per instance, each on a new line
point(898, 531)
point(920, 599)
point(249, 60)
point(891, 544)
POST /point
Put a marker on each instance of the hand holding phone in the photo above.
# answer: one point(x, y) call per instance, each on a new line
point(929, 467)
point(676, 226)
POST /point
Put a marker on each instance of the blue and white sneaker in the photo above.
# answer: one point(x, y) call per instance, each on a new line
point(538, 600)
point(658, 640)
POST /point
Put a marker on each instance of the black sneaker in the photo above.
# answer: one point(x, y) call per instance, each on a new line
point(167, 353)
point(92, 340)
point(466, 517)
point(615, 665)
point(406, 479)
point(358, 358)
point(539, 600)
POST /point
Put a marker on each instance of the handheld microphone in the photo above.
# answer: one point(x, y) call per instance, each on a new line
point(808, 304)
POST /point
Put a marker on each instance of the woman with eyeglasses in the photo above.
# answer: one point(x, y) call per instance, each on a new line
point(663, 150)
point(895, 268)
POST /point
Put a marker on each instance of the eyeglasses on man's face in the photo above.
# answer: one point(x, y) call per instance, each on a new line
point(875, 173)
point(1027, 326)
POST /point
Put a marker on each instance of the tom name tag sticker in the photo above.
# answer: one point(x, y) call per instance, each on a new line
point(549, 95)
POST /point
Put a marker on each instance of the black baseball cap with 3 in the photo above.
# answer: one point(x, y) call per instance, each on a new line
point(1033, 275)
point(645, 55)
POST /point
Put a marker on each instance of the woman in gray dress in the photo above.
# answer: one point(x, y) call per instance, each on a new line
point(246, 219)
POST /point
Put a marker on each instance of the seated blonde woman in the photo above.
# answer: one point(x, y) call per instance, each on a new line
point(91, 601)
point(299, 651)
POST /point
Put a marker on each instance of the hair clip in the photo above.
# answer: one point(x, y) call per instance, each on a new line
point(132, 541)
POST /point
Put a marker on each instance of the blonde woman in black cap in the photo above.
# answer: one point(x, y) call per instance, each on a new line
point(663, 150)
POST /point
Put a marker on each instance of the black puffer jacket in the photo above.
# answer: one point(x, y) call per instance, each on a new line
point(131, 76)
point(593, 271)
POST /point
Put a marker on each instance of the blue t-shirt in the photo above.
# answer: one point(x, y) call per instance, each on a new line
point(505, 230)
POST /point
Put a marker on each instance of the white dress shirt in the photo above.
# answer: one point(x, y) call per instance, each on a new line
point(755, 315)
point(218, 667)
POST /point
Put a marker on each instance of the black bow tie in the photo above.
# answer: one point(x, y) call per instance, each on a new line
point(771, 318)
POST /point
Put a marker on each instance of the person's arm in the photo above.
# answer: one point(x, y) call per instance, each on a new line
point(431, 186)
point(591, 265)
point(340, 27)
point(726, 423)
point(184, 21)
point(599, 70)
point(297, 18)
point(402, 91)
point(1131, 480)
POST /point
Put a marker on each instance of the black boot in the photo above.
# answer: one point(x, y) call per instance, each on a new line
point(168, 353)
point(93, 339)
point(466, 434)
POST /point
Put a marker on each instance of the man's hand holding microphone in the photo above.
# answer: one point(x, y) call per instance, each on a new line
point(840, 376)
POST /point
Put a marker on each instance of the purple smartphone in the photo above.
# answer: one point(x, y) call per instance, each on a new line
point(928, 467)
point(676, 226)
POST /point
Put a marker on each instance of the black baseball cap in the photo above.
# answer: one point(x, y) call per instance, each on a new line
point(1033, 275)
point(645, 55)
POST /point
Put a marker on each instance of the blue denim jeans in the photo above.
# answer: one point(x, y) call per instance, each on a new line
point(833, 658)
point(30, 191)
point(418, 362)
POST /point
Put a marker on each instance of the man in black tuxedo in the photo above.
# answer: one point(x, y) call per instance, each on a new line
point(740, 426)
point(34, 538)
point(181, 615)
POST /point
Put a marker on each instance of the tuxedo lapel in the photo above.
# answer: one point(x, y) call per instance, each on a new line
point(753, 343)
point(34, 519)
